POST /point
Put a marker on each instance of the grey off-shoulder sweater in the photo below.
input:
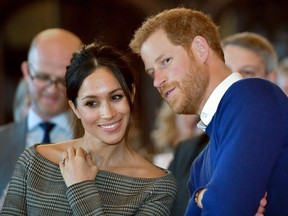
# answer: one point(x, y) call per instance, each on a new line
point(37, 188)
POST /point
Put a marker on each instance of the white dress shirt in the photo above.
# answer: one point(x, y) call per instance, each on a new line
point(62, 130)
point(213, 101)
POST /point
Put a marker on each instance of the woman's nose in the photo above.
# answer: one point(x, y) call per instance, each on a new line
point(107, 111)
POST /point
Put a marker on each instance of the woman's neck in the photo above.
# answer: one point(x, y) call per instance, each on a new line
point(105, 155)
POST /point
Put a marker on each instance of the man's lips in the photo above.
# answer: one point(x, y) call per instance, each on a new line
point(50, 99)
point(166, 95)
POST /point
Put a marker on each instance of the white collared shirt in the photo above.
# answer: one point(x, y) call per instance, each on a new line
point(62, 130)
point(213, 101)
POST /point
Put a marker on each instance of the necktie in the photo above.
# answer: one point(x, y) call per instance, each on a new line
point(47, 127)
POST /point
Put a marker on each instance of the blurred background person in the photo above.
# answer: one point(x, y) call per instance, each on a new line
point(170, 129)
point(48, 119)
point(282, 77)
point(248, 53)
point(22, 101)
point(251, 54)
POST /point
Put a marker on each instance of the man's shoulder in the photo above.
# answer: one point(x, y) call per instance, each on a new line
point(254, 84)
point(13, 138)
point(6, 129)
point(9, 126)
point(255, 89)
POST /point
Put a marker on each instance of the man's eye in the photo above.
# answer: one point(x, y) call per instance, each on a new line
point(247, 73)
point(42, 77)
point(166, 61)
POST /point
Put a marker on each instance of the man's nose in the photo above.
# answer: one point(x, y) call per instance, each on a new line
point(159, 79)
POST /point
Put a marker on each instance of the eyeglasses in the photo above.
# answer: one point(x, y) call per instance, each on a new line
point(42, 80)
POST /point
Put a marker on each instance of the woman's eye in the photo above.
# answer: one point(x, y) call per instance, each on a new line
point(117, 97)
point(91, 103)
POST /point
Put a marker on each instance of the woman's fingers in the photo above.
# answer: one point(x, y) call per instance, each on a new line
point(80, 152)
point(261, 209)
point(77, 166)
point(89, 160)
point(71, 152)
point(263, 201)
point(64, 157)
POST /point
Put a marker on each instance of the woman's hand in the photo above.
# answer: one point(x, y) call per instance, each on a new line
point(77, 166)
point(261, 209)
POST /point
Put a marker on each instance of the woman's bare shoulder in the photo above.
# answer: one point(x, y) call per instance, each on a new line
point(53, 152)
point(144, 168)
point(154, 171)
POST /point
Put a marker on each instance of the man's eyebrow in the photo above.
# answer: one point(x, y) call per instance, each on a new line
point(160, 57)
point(150, 70)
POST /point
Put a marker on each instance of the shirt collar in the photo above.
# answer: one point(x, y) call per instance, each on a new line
point(61, 120)
point(213, 101)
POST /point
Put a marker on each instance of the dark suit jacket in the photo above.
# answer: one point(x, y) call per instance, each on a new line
point(184, 156)
point(12, 144)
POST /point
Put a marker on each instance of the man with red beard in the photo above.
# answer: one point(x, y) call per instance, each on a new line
point(245, 119)
point(49, 54)
point(253, 56)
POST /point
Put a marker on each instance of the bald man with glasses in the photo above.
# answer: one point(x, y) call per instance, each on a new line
point(48, 119)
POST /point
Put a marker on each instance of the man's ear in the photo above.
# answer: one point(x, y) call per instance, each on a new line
point(25, 70)
point(272, 76)
point(71, 104)
point(200, 48)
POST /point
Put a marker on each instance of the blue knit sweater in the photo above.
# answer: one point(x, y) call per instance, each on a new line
point(247, 154)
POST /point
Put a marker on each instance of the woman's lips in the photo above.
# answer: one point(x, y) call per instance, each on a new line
point(111, 126)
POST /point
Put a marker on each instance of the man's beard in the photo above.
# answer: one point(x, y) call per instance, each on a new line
point(192, 90)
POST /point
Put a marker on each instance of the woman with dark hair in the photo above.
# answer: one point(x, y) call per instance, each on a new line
point(97, 174)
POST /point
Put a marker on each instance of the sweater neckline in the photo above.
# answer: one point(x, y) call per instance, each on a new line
point(103, 173)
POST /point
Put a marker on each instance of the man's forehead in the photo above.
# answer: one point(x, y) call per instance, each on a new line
point(49, 67)
point(155, 44)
